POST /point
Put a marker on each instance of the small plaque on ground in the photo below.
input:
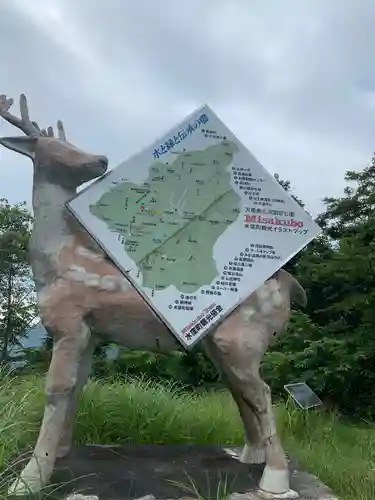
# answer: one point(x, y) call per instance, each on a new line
point(303, 395)
point(195, 223)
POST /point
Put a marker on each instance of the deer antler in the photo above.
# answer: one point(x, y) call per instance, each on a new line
point(22, 123)
point(60, 128)
point(50, 133)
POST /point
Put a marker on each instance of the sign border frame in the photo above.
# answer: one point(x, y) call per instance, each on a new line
point(222, 317)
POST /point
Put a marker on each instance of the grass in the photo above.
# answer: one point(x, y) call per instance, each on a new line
point(341, 454)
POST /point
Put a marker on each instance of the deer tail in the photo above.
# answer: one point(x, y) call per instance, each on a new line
point(297, 292)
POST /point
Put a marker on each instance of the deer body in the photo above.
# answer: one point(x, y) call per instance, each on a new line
point(82, 295)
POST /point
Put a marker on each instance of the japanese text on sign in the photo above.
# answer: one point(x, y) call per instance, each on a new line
point(180, 136)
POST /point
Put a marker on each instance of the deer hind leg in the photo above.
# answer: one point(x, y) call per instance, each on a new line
point(275, 480)
point(276, 477)
point(84, 370)
point(254, 451)
point(61, 382)
point(256, 394)
point(240, 354)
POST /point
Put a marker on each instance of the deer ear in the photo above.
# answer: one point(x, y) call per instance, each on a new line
point(23, 145)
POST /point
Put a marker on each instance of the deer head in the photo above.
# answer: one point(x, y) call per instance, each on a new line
point(55, 160)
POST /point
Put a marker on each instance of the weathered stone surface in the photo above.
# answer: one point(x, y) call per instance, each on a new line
point(310, 487)
point(169, 472)
point(79, 496)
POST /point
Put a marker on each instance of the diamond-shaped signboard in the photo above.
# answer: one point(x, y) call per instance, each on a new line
point(195, 223)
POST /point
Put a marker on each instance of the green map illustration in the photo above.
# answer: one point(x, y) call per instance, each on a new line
point(170, 223)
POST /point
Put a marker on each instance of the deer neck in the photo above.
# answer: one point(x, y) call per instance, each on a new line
point(52, 229)
point(51, 219)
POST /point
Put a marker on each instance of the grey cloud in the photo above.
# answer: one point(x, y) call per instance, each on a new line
point(294, 80)
point(307, 62)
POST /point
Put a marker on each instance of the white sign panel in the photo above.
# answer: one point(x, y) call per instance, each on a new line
point(195, 223)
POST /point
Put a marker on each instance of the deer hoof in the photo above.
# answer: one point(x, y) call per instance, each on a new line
point(30, 481)
point(253, 455)
point(288, 495)
point(22, 487)
point(274, 484)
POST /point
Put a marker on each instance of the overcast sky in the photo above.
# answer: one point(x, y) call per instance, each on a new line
point(294, 80)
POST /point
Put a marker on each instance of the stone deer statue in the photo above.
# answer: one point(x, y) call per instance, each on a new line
point(81, 293)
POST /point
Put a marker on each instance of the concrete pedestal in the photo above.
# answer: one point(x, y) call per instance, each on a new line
point(166, 472)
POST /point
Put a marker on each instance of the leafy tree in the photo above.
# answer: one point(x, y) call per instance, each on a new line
point(17, 301)
point(288, 188)
point(332, 347)
point(290, 266)
point(345, 214)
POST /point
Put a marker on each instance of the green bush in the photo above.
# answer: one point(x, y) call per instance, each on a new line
point(338, 364)
point(189, 369)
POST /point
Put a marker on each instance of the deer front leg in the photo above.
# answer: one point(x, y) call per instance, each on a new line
point(61, 382)
point(84, 369)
